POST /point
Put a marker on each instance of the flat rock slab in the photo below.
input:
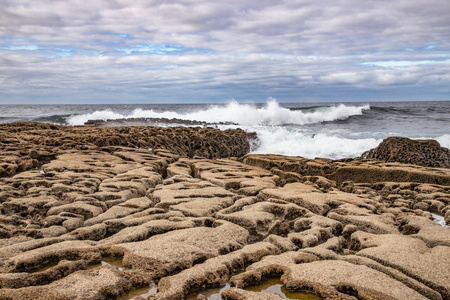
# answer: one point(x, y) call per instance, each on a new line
point(212, 271)
point(92, 285)
point(350, 279)
point(180, 249)
point(389, 250)
point(193, 197)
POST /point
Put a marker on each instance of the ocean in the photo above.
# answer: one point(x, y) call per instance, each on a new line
point(328, 130)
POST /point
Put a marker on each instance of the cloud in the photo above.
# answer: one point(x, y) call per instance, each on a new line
point(151, 50)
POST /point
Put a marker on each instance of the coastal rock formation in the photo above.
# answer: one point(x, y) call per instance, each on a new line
point(27, 145)
point(90, 221)
point(427, 153)
point(327, 173)
point(151, 122)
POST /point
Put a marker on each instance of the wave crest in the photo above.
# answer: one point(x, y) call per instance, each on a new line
point(243, 114)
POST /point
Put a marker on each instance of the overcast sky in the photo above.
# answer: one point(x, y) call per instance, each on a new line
point(192, 51)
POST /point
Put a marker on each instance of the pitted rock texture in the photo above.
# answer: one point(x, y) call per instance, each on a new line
point(27, 145)
point(103, 222)
point(427, 153)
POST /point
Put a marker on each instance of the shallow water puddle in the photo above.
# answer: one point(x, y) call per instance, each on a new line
point(144, 292)
point(108, 261)
point(275, 285)
point(213, 293)
point(118, 262)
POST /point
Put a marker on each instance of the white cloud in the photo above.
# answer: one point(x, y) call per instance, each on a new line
point(213, 48)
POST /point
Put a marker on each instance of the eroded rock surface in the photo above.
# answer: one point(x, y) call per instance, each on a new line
point(100, 222)
point(28, 145)
point(427, 153)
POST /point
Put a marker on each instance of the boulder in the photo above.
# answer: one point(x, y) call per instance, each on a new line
point(427, 153)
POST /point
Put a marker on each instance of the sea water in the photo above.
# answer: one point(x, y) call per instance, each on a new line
point(328, 130)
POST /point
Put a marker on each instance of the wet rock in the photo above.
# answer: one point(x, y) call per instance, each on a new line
point(238, 294)
point(331, 279)
point(213, 271)
point(349, 279)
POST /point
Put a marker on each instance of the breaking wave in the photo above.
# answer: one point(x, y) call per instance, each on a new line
point(285, 141)
point(278, 128)
point(243, 114)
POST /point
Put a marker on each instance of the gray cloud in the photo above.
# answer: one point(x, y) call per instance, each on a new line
point(212, 51)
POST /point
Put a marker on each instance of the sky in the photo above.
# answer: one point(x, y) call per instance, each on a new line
point(192, 51)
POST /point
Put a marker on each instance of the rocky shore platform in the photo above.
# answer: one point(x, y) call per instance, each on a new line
point(168, 213)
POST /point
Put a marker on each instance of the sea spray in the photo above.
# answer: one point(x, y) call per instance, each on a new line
point(243, 114)
point(97, 115)
point(444, 140)
point(284, 141)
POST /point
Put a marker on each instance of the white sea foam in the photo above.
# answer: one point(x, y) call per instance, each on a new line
point(97, 115)
point(269, 122)
point(438, 219)
point(243, 114)
point(444, 140)
point(280, 140)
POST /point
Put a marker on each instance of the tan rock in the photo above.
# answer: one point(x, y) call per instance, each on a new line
point(181, 249)
point(428, 265)
point(75, 196)
point(348, 279)
point(301, 194)
point(23, 204)
point(80, 208)
point(216, 270)
point(428, 231)
point(53, 231)
point(330, 279)
point(239, 294)
point(369, 223)
point(112, 213)
point(148, 229)
point(234, 176)
point(193, 198)
point(39, 257)
point(283, 243)
point(93, 284)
